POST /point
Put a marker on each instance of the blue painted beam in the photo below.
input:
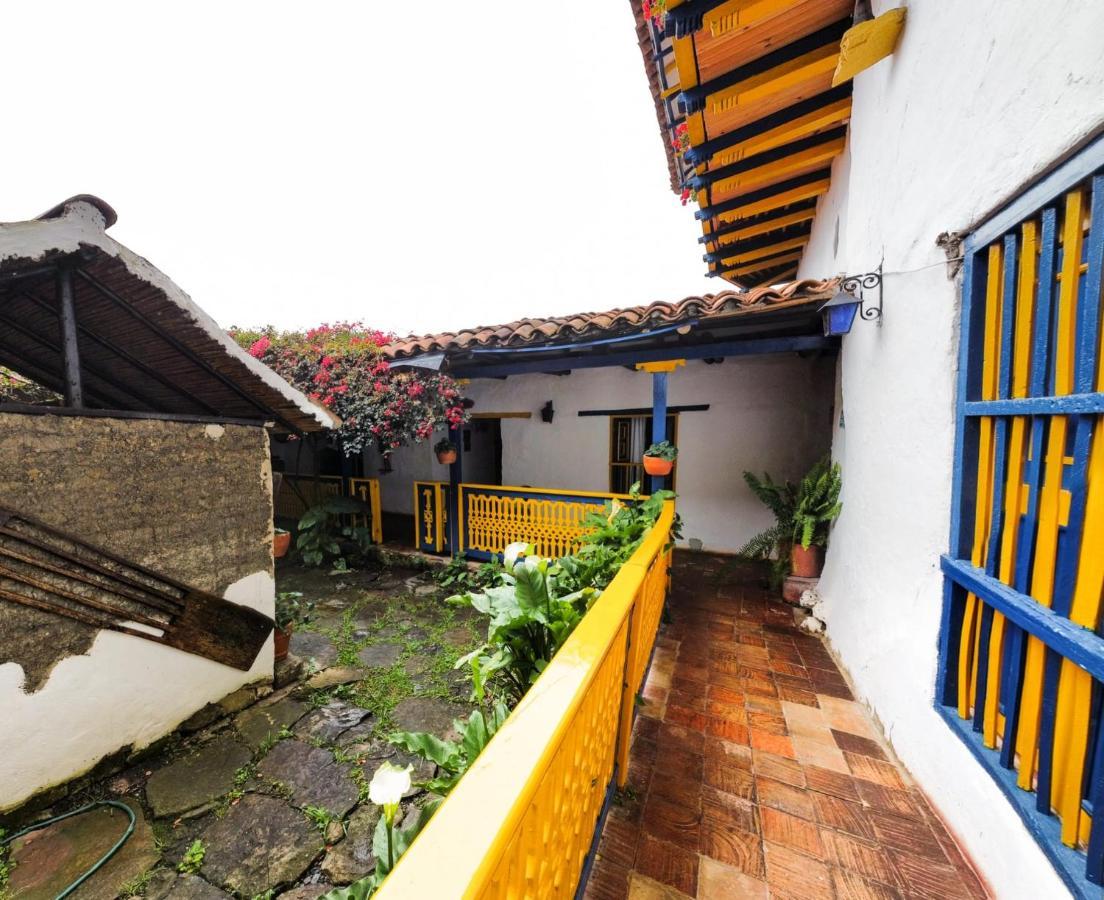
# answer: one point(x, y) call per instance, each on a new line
point(1067, 405)
point(720, 349)
point(659, 419)
point(729, 227)
point(456, 475)
point(1079, 645)
point(750, 197)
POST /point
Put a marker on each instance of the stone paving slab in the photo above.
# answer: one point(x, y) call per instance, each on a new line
point(187, 887)
point(312, 775)
point(428, 714)
point(50, 859)
point(196, 779)
point(260, 844)
point(381, 656)
point(261, 722)
point(329, 722)
point(313, 646)
point(353, 857)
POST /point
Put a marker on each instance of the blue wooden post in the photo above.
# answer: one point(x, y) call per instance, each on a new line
point(659, 419)
point(456, 475)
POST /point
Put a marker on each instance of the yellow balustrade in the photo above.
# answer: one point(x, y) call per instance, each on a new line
point(297, 493)
point(521, 821)
point(368, 491)
point(493, 517)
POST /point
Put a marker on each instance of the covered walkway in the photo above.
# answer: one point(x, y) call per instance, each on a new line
point(754, 773)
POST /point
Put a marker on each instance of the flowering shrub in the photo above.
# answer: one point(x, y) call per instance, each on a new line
point(342, 367)
point(656, 11)
point(681, 140)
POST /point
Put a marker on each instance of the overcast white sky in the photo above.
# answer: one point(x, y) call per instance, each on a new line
point(418, 166)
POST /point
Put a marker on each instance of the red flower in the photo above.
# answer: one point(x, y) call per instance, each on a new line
point(258, 348)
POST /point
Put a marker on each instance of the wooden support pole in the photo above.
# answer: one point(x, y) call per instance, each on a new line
point(456, 475)
point(659, 419)
point(74, 396)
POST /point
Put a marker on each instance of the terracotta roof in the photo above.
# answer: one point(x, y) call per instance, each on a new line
point(566, 329)
point(651, 69)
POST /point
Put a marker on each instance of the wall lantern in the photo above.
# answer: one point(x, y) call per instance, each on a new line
point(547, 412)
point(838, 313)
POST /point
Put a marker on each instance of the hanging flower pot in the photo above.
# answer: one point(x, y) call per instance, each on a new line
point(659, 458)
point(281, 541)
point(806, 562)
point(446, 452)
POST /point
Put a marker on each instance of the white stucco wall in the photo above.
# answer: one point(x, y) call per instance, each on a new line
point(978, 98)
point(765, 413)
point(125, 690)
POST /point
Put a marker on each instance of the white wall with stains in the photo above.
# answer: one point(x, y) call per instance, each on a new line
point(978, 98)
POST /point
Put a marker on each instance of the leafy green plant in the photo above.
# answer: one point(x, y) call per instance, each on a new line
point(292, 611)
point(6, 864)
point(458, 576)
point(192, 861)
point(662, 450)
point(322, 530)
point(319, 816)
point(444, 446)
point(802, 513)
point(453, 757)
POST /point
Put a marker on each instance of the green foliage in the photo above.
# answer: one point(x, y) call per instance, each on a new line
point(388, 845)
point(802, 512)
point(192, 861)
point(6, 865)
point(322, 531)
point(662, 450)
point(292, 610)
point(320, 816)
point(136, 887)
point(457, 576)
point(443, 446)
point(453, 757)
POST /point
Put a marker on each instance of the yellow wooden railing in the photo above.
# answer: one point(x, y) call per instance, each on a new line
point(297, 493)
point(493, 516)
point(430, 515)
point(367, 490)
point(521, 821)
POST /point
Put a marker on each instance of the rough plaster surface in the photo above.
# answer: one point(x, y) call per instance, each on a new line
point(973, 104)
point(169, 495)
point(766, 413)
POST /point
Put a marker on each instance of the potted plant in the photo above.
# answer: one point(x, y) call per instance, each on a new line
point(281, 541)
point(446, 452)
point(292, 611)
point(803, 514)
point(659, 458)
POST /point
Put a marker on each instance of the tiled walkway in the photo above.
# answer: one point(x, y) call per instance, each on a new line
point(755, 774)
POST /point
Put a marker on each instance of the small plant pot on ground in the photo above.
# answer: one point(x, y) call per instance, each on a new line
point(653, 465)
point(281, 541)
point(281, 639)
point(806, 562)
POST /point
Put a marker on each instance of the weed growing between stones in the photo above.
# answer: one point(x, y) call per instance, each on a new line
point(320, 817)
point(192, 861)
point(5, 866)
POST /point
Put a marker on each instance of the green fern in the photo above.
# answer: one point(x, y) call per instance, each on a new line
point(802, 512)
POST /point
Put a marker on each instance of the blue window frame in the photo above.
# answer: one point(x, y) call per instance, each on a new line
point(1021, 653)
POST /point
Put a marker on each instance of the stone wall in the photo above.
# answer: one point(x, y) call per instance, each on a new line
point(191, 501)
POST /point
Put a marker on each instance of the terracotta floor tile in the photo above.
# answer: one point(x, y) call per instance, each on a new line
point(728, 810)
point(691, 672)
point(683, 791)
point(777, 767)
point(671, 735)
point(730, 778)
point(843, 815)
point(607, 881)
point(619, 840)
point(791, 831)
point(726, 695)
point(765, 704)
point(827, 781)
point(674, 761)
point(770, 722)
point(668, 864)
point(796, 801)
point(847, 715)
point(812, 751)
point(853, 743)
point(866, 858)
point(900, 803)
point(727, 729)
point(772, 743)
point(717, 881)
point(851, 886)
point(672, 822)
point(733, 712)
point(883, 773)
point(652, 710)
point(729, 752)
point(794, 876)
point(912, 835)
point(644, 888)
point(655, 694)
point(922, 877)
point(740, 849)
point(688, 718)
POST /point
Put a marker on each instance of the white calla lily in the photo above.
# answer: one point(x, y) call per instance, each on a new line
point(510, 554)
point(388, 785)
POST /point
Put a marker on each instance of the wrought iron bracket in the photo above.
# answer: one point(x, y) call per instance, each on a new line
point(858, 285)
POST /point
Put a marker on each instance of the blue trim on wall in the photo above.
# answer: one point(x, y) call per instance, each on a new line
point(1069, 404)
point(598, 342)
point(1069, 864)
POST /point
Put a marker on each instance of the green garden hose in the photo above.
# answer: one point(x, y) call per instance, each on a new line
point(103, 859)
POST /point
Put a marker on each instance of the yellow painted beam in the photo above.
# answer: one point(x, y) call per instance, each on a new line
point(761, 228)
point(668, 365)
point(804, 192)
point(867, 43)
point(778, 170)
point(827, 117)
point(780, 78)
point(737, 14)
point(791, 244)
point(759, 267)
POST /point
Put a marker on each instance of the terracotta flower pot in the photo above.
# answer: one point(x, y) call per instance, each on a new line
point(280, 544)
point(446, 457)
point(282, 639)
point(653, 465)
point(806, 562)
